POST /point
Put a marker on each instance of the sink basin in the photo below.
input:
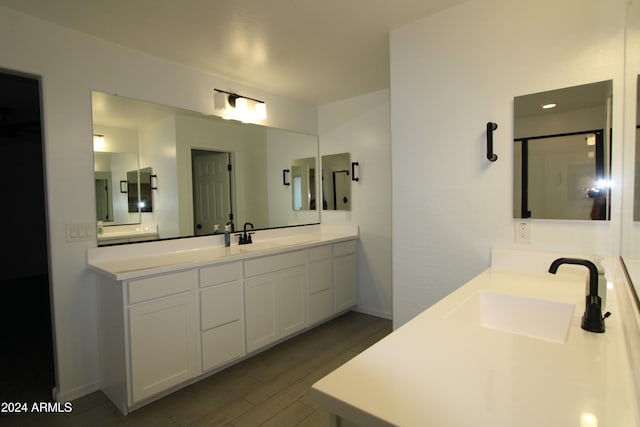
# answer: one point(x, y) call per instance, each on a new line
point(532, 317)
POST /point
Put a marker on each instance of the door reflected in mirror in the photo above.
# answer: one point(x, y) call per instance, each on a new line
point(562, 153)
point(212, 190)
point(336, 182)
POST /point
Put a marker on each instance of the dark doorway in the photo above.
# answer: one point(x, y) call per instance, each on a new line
point(26, 372)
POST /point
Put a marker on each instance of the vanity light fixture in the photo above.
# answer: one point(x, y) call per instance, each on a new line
point(238, 107)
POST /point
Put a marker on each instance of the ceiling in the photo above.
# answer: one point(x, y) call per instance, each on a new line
point(311, 50)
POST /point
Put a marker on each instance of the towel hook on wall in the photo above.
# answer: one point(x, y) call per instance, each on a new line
point(490, 128)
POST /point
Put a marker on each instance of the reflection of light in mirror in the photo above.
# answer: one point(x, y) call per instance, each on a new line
point(591, 139)
point(141, 205)
point(98, 143)
point(588, 420)
point(261, 111)
point(549, 106)
point(604, 184)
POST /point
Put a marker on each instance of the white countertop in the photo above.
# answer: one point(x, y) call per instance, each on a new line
point(144, 259)
point(443, 369)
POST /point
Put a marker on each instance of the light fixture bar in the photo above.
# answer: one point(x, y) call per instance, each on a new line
point(236, 96)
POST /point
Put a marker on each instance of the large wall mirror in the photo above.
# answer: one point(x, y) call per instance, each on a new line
point(206, 171)
point(562, 153)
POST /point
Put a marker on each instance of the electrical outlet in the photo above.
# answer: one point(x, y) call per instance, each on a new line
point(523, 232)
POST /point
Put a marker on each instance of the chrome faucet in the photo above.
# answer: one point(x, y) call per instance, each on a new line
point(245, 238)
point(592, 319)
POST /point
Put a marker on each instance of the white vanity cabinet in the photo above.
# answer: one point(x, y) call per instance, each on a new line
point(221, 314)
point(275, 290)
point(161, 329)
point(345, 275)
point(147, 336)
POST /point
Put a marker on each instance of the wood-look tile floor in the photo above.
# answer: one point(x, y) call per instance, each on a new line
point(269, 389)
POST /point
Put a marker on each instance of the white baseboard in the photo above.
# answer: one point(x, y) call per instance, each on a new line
point(375, 313)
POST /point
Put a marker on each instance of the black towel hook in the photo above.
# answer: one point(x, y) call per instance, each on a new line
point(490, 128)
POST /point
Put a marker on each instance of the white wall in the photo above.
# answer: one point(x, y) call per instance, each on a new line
point(453, 72)
point(71, 65)
point(360, 126)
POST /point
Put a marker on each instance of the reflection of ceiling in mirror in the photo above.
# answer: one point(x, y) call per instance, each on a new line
point(567, 99)
point(129, 113)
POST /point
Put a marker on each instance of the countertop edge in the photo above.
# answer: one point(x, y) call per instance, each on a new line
point(135, 273)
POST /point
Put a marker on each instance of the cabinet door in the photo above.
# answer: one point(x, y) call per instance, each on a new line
point(261, 310)
point(163, 344)
point(320, 280)
point(344, 284)
point(292, 300)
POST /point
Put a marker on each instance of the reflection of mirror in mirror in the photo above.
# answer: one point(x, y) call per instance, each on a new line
point(562, 153)
point(636, 199)
point(336, 182)
point(117, 155)
point(303, 184)
point(164, 138)
point(139, 190)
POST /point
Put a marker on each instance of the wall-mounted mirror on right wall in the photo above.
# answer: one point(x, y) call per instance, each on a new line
point(336, 182)
point(562, 153)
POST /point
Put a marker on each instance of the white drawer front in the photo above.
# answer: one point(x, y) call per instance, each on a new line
point(222, 273)
point(220, 304)
point(222, 344)
point(268, 264)
point(319, 253)
point(160, 286)
point(344, 248)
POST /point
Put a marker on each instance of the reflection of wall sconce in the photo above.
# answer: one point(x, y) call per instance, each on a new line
point(353, 171)
point(98, 142)
point(238, 107)
point(123, 187)
point(285, 177)
point(153, 181)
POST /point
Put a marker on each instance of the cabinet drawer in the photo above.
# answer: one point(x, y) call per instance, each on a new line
point(344, 248)
point(220, 304)
point(160, 286)
point(319, 253)
point(268, 264)
point(320, 275)
point(320, 306)
point(222, 344)
point(223, 273)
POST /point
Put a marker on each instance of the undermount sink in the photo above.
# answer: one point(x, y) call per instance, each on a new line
point(532, 317)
